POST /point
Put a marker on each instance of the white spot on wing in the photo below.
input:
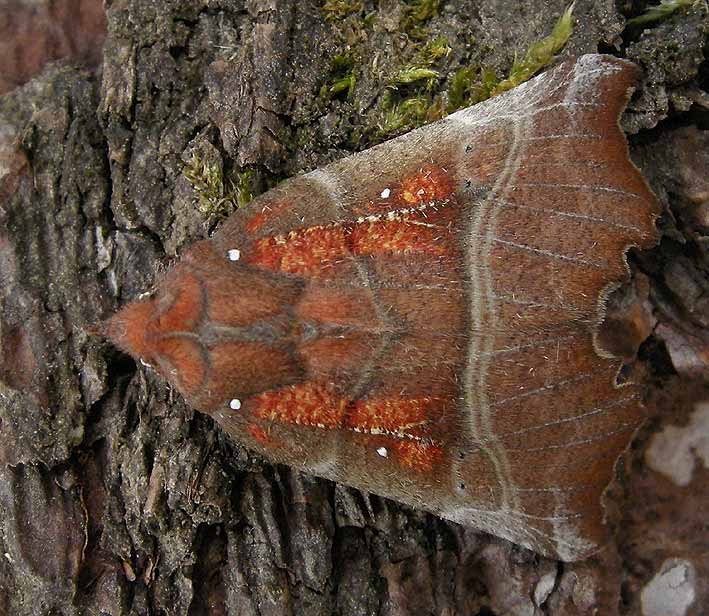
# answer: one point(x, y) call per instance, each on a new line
point(385, 193)
point(234, 254)
point(235, 404)
point(382, 451)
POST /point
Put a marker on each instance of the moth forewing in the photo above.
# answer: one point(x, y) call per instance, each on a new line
point(418, 320)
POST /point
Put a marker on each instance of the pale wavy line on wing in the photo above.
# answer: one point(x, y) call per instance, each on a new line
point(549, 386)
point(559, 490)
point(624, 428)
point(553, 137)
point(596, 411)
point(587, 187)
point(597, 219)
point(536, 343)
point(529, 113)
point(551, 255)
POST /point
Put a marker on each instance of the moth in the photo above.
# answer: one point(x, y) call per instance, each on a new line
point(421, 320)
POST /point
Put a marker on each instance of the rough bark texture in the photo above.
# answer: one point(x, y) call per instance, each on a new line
point(115, 498)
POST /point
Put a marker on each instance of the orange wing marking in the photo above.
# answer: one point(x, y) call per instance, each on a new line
point(259, 434)
point(268, 212)
point(418, 455)
point(310, 250)
point(431, 183)
point(401, 417)
point(402, 421)
point(304, 405)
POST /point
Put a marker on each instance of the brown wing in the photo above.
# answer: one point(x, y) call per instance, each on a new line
point(566, 204)
point(481, 396)
point(419, 320)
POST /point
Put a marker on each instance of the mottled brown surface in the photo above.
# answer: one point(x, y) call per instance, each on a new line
point(36, 32)
point(669, 520)
point(157, 511)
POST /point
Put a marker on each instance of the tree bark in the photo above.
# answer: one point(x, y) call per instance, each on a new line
point(116, 498)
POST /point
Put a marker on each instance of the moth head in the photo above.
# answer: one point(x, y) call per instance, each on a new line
point(156, 330)
point(126, 329)
point(213, 328)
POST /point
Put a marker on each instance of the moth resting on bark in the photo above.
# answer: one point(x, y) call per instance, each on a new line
point(420, 320)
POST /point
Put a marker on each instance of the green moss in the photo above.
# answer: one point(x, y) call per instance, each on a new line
point(404, 115)
point(342, 79)
point(369, 19)
point(346, 84)
point(407, 102)
point(470, 85)
point(242, 187)
point(662, 11)
point(415, 15)
point(414, 74)
point(539, 54)
point(419, 11)
point(335, 10)
point(215, 193)
point(420, 69)
point(434, 50)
